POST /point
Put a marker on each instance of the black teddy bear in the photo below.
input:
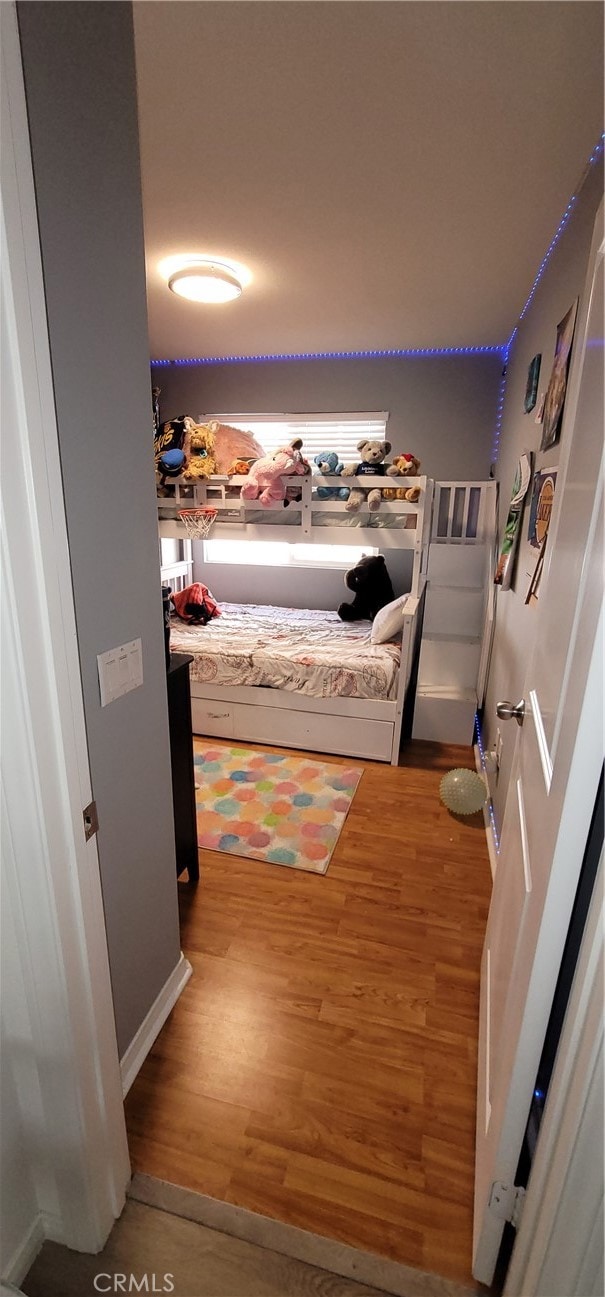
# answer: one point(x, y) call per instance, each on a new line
point(371, 585)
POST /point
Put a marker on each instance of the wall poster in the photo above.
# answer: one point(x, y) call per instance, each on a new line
point(557, 383)
point(540, 509)
point(540, 513)
point(504, 567)
point(531, 389)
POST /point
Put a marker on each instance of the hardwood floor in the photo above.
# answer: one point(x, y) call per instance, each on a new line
point(320, 1066)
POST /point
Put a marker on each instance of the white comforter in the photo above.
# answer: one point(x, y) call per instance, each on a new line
point(299, 649)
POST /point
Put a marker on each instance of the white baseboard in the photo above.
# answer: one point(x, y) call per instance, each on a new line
point(151, 1026)
point(489, 828)
point(25, 1253)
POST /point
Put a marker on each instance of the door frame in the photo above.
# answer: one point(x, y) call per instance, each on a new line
point(559, 1189)
point(61, 942)
point(60, 1027)
point(578, 795)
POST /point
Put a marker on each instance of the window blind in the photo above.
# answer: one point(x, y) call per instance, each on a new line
point(319, 432)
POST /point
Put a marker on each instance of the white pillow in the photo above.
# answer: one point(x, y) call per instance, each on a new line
point(389, 621)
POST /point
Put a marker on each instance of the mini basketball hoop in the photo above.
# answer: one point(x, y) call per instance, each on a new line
point(197, 522)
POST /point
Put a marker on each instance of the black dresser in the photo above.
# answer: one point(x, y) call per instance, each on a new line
point(181, 756)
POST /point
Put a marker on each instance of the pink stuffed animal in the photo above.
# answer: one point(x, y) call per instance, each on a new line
point(265, 478)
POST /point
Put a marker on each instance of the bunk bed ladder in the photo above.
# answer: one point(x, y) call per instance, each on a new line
point(458, 618)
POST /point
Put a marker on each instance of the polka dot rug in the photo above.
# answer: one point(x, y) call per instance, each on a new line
point(282, 809)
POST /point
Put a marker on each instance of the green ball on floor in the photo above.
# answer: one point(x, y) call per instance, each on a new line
point(463, 792)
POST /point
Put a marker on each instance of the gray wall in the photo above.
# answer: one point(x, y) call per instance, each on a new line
point(514, 636)
point(292, 587)
point(80, 83)
point(442, 409)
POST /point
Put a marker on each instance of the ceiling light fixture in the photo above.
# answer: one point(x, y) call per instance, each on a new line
point(206, 281)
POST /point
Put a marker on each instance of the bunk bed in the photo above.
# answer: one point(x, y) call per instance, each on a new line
point(303, 678)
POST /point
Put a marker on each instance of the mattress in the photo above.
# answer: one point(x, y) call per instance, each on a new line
point(298, 649)
point(167, 511)
point(375, 521)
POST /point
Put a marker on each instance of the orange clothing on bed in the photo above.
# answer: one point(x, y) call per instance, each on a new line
point(193, 597)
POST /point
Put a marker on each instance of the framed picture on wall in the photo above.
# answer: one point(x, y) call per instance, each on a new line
point(557, 384)
point(540, 513)
point(504, 568)
point(540, 509)
point(531, 389)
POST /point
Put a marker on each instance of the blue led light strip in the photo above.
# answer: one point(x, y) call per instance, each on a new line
point(596, 153)
point(499, 413)
point(484, 765)
point(502, 349)
point(501, 395)
point(335, 355)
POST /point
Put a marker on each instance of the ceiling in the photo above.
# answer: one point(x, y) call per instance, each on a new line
point(390, 173)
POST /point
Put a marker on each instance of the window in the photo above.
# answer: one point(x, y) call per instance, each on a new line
point(337, 432)
point(270, 553)
point(173, 551)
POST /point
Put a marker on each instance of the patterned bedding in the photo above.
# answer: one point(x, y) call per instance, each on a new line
point(299, 649)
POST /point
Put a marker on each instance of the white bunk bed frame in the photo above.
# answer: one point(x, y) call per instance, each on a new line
point(353, 727)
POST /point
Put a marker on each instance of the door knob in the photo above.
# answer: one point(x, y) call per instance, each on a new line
point(505, 711)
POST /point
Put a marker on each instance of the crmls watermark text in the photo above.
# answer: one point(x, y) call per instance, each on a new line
point(148, 1283)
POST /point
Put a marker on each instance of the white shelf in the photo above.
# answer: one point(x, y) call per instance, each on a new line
point(444, 716)
point(465, 589)
point(446, 693)
point(446, 638)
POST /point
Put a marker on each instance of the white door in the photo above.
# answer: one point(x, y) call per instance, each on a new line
point(551, 795)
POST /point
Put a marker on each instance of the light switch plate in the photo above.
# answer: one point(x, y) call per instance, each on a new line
point(120, 670)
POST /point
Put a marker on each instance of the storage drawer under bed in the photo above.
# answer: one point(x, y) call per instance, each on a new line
point(314, 731)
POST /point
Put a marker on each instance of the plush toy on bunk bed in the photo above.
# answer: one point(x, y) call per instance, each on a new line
point(199, 449)
point(371, 584)
point(237, 468)
point(169, 449)
point(403, 466)
point(373, 454)
point(265, 477)
point(294, 490)
point(170, 464)
point(240, 467)
point(328, 462)
point(233, 444)
point(184, 448)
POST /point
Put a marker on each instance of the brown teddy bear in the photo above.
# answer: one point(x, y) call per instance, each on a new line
point(198, 446)
point(403, 466)
point(237, 468)
point(372, 453)
point(240, 467)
